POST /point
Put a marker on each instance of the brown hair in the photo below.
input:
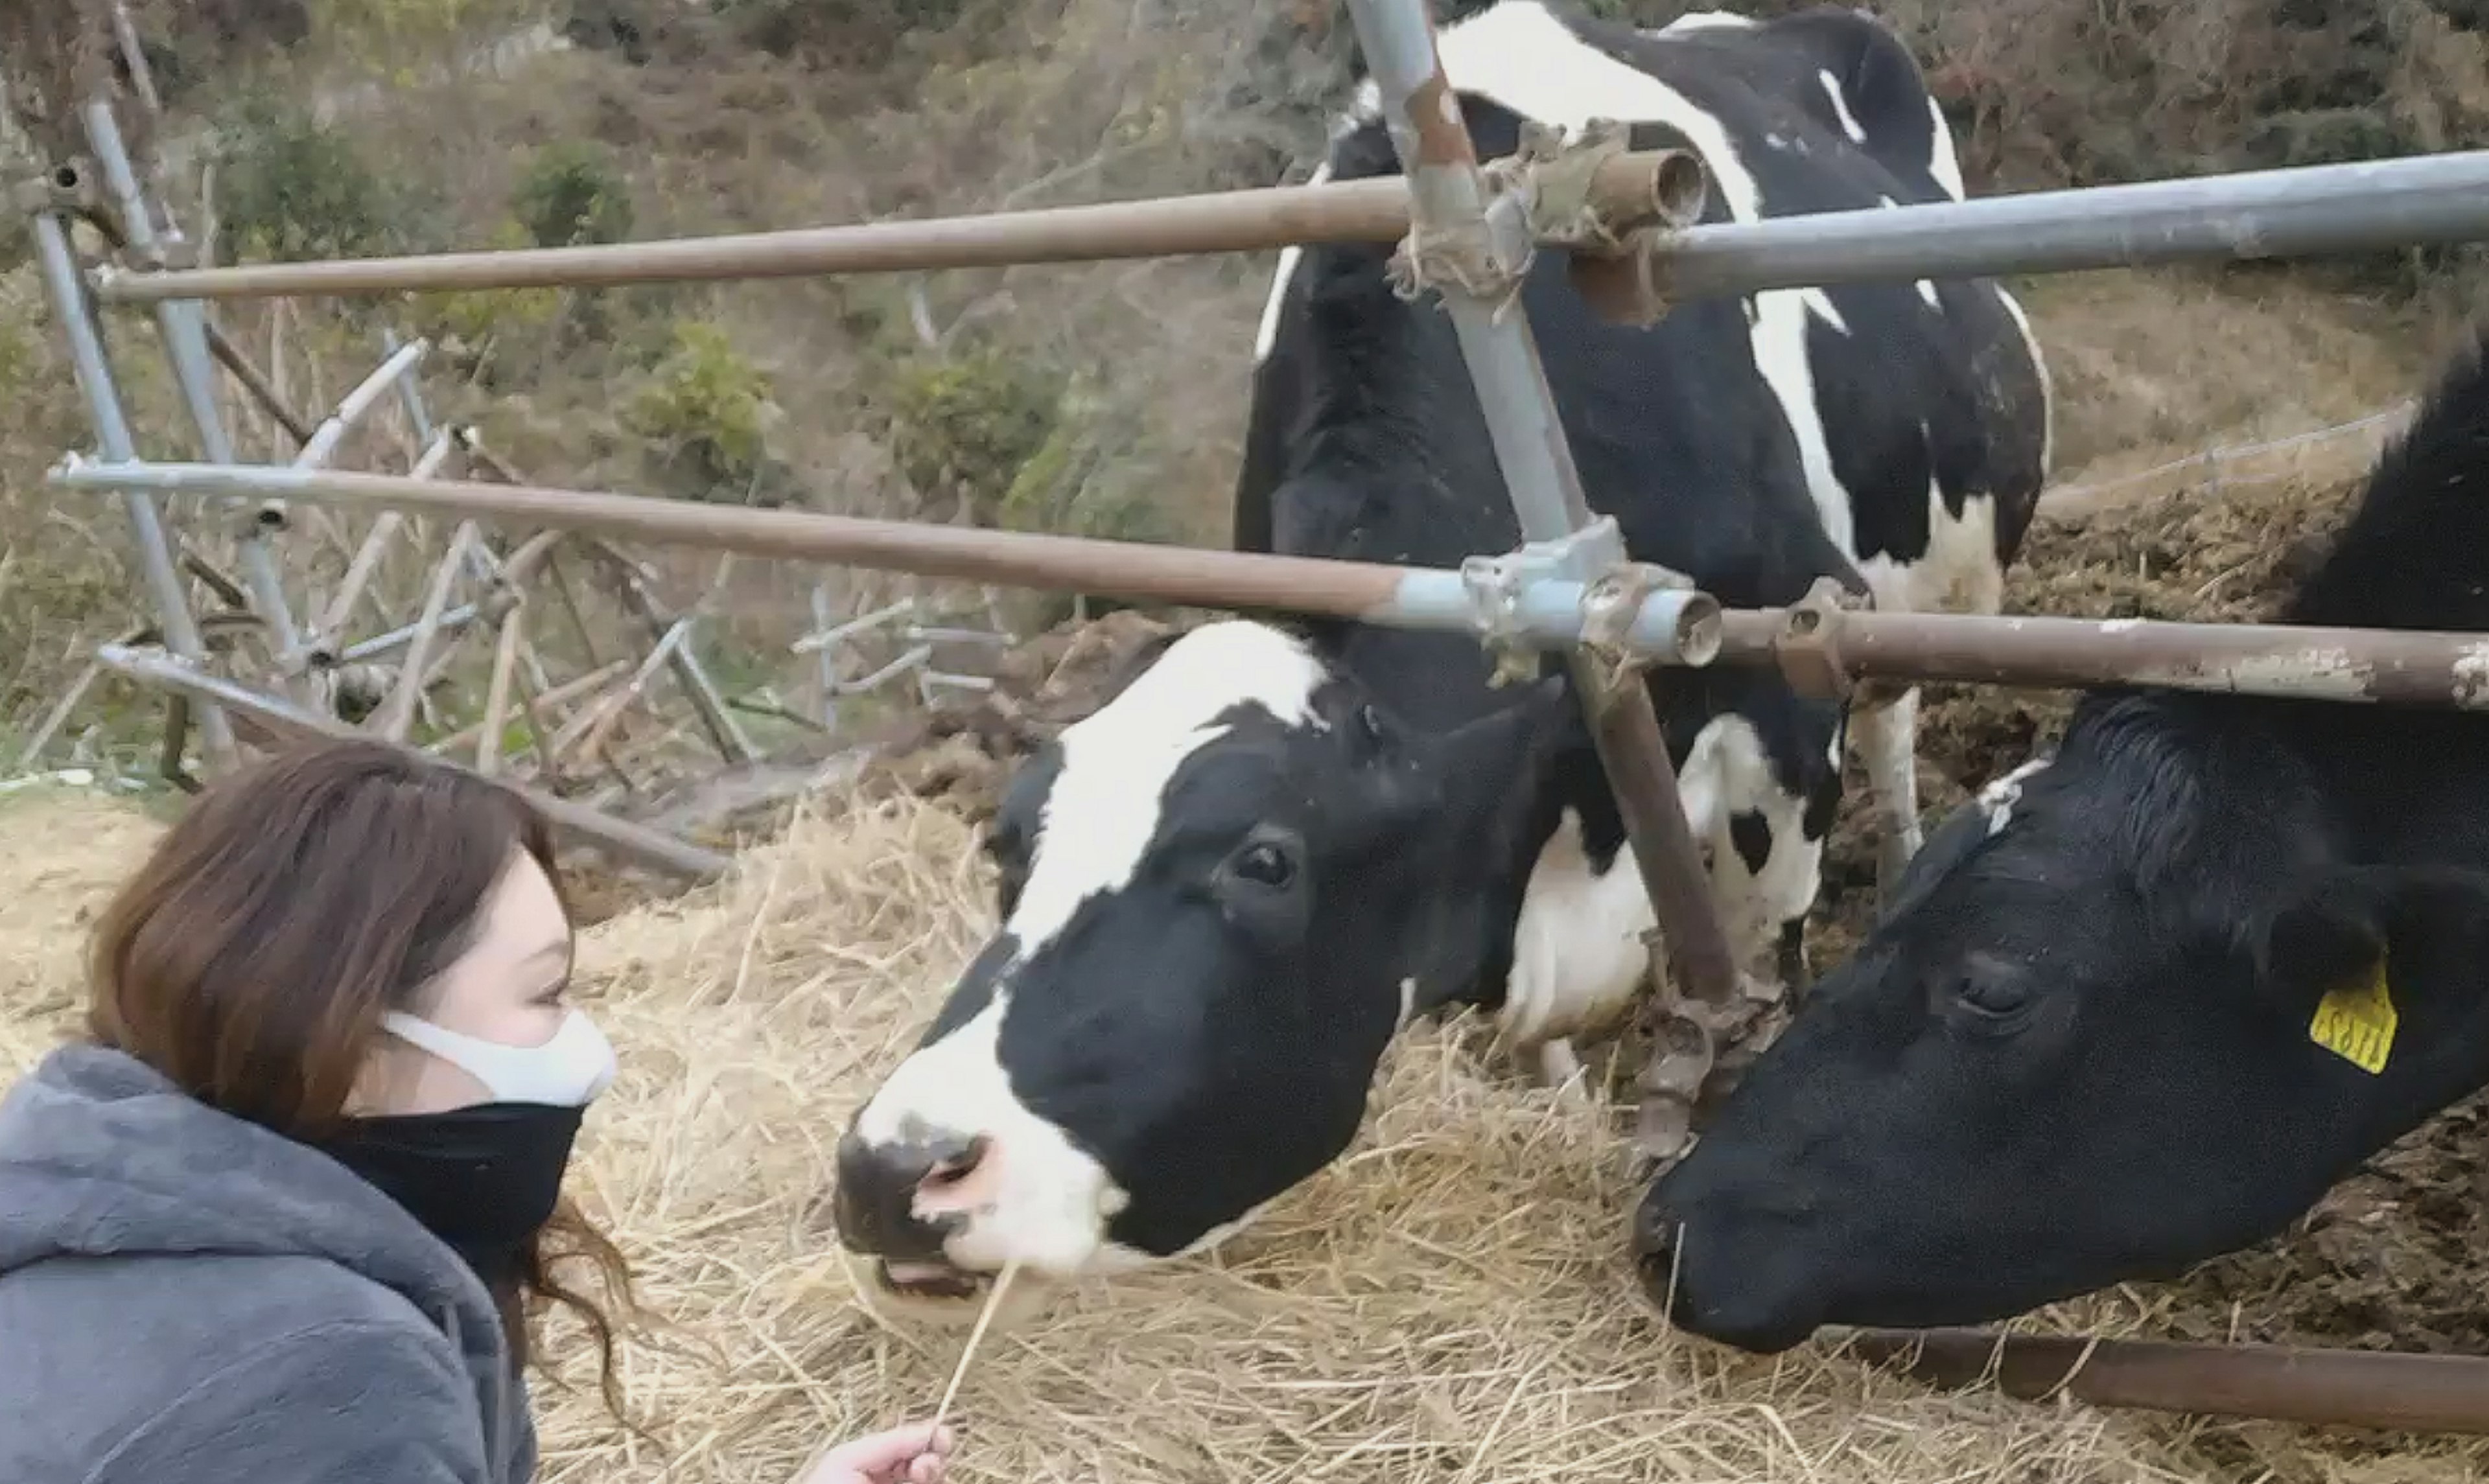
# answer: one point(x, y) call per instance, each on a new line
point(250, 958)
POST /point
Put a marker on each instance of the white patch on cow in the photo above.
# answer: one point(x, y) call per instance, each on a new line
point(1578, 955)
point(1042, 1200)
point(1035, 1197)
point(1706, 20)
point(1841, 105)
point(1408, 999)
point(1116, 763)
point(1957, 571)
point(2039, 365)
point(1268, 335)
point(1999, 797)
point(1927, 292)
point(1942, 161)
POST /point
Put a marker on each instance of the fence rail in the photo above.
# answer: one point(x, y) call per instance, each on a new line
point(1626, 190)
point(1667, 626)
point(1571, 586)
point(2298, 211)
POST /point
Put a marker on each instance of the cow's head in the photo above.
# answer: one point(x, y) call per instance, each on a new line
point(1220, 895)
point(2077, 1049)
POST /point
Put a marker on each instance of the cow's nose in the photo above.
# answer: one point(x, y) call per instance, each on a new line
point(879, 1184)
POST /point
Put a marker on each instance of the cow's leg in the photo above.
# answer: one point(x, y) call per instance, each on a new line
point(1886, 725)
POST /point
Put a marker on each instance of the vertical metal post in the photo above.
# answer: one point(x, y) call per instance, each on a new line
point(411, 396)
point(182, 323)
point(113, 439)
point(1447, 200)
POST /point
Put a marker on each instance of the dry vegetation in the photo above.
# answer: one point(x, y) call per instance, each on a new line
point(1449, 1304)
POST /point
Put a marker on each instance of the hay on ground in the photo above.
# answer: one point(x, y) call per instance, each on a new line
point(1450, 1302)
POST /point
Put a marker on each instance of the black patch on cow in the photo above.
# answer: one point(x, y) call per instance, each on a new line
point(1752, 834)
point(2076, 1049)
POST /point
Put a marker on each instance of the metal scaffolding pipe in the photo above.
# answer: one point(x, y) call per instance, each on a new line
point(1631, 190)
point(358, 404)
point(651, 847)
point(2298, 212)
point(1671, 627)
point(182, 325)
point(112, 435)
point(1447, 202)
point(2314, 1387)
point(1680, 624)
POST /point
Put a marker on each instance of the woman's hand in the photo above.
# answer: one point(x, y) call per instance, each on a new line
point(914, 1454)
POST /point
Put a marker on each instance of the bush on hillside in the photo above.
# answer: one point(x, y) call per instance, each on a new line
point(572, 194)
point(962, 426)
point(290, 188)
point(708, 410)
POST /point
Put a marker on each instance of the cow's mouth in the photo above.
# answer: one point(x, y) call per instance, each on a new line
point(930, 1280)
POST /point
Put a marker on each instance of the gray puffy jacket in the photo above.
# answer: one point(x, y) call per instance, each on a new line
point(185, 1296)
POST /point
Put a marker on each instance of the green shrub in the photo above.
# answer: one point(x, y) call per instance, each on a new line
point(291, 188)
point(572, 194)
point(709, 410)
point(962, 427)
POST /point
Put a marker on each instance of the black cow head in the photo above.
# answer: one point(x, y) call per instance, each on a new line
point(1220, 894)
point(2082, 1047)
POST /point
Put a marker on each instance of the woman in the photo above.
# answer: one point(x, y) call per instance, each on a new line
point(284, 1214)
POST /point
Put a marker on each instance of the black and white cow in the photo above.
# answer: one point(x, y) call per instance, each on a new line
point(2092, 1037)
point(1225, 890)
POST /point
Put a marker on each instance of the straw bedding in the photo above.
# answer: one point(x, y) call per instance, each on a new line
point(1448, 1304)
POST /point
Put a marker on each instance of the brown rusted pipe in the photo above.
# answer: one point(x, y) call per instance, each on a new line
point(1633, 189)
point(2354, 665)
point(1128, 569)
point(255, 382)
point(2408, 666)
point(2316, 1387)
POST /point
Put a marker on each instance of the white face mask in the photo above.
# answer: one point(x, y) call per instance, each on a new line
point(568, 1071)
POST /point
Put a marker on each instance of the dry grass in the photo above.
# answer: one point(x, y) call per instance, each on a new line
point(1448, 1304)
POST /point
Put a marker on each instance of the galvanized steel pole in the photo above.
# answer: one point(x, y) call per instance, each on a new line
point(182, 323)
point(2302, 211)
point(112, 435)
point(1449, 204)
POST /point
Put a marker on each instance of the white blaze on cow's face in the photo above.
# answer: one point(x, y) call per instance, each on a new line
point(1217, 893)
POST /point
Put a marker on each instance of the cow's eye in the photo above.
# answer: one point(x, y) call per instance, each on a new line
point(1995, 997)
point(1265, 862)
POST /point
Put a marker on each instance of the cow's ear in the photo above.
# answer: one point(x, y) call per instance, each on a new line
point(2348, 941)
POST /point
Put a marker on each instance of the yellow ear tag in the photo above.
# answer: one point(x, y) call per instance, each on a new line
point(2357, 1021)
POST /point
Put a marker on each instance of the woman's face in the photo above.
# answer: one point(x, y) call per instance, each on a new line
point(506, 987)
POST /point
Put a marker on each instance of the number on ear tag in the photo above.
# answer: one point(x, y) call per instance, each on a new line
point(2357, 1021)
